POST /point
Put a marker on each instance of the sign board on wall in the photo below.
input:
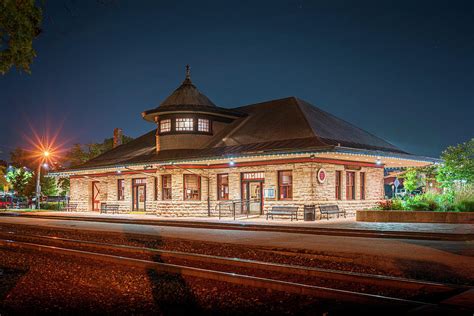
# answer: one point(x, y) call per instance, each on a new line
point(269, 193)
point(322, 175)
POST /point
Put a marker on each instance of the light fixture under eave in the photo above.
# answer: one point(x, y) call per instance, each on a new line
point(231, 162)
point(378, 161)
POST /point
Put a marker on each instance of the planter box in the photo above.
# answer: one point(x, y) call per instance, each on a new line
point(416, 217)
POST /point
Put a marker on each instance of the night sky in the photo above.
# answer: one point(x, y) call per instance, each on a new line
point(403, 70)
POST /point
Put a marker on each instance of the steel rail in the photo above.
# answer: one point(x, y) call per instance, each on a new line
point(266, 227)
point(346, 276)
point(239, 279)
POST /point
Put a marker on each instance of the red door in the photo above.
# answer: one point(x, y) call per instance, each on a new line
point(95, 196)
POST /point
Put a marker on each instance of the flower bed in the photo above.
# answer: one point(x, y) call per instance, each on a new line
point(415, 216)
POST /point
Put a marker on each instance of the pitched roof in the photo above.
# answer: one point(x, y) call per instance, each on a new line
point(279, 125)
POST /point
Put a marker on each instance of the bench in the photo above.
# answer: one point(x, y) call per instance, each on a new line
point(331, 209)
point(105, 208)
point(71, 207)
point(291, 211)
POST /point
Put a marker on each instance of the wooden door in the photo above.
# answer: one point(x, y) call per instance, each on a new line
point(95, 196)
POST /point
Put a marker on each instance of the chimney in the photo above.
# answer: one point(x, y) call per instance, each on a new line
point(118, 136)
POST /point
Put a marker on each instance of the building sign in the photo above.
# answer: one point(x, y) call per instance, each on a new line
point(269, 193)
point(253, 176)
point(322, 175)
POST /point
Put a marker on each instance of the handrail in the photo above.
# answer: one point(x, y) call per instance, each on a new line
point(233, 203)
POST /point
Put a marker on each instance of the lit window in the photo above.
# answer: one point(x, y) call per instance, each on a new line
point(120, 190)
point(165, 126)
point(222, 186)
point(184, 124)
point(166, 187)
point(285, 185)
point(203, 125)
point(192, 187)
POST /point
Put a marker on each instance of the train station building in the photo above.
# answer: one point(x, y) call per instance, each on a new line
point(200, 158)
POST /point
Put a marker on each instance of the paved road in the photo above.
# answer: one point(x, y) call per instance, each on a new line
point(455, 256)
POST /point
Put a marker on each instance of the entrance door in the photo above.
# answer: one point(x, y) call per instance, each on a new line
point(95, 196)
point(252, 194)
point(138, 194)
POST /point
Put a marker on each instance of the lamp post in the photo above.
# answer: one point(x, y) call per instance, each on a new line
point(45, 155)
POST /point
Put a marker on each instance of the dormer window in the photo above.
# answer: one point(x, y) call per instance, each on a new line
point(184, 124)
point(203, 125)
point(165, 126)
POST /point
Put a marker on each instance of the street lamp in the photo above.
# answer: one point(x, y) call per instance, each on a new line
point(44, 155)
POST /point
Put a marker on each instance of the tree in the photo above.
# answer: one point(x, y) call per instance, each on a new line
point(411, 179)
point(458, 165)
point(20, 157)
point(79, 154)
point(21, 181)
point(3, 177)
point(20, 22)
point(49, 186)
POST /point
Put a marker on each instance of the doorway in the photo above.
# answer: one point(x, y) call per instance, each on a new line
point(138, 194)
point(252, 194)
point(95, 196)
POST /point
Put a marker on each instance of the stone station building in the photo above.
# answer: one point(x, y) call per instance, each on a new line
point(201, 158)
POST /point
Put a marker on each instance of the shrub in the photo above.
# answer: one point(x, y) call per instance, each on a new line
point(395, 204)
point(50, 206)
point(464, 199)
point(424, 202)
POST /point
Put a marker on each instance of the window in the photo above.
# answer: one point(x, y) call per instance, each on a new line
point(184, 124)
point(165, 126)
point(338, 185)
point(253, 176)
point(350, 185)
point(166, 187)
point(362, 185)
point(120, 190)
point(192, 187)
point(203, 125)
point(285, 185)
point(156, 188)
point(222, 186)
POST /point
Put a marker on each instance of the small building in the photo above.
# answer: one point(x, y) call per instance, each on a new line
point(200, 157)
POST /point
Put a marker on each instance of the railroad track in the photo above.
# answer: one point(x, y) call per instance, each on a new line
point(268, 228)
point(280, 280)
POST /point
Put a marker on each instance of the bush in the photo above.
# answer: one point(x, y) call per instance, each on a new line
point(464, 199)
point(424, 202)
point(395, 204)
point(53, 206)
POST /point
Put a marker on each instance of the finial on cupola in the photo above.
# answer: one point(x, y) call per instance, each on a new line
point(188, 72)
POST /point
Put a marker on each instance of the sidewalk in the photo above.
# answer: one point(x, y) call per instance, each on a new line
point(349, 224)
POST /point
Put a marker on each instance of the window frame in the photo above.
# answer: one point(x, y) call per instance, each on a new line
point(185, 119)
point(168, 120)
point(166, 192)
point(220, 185)
point(282, 187)
point(362, 185)
point(185, 198)
point(208, 124)
point(120, 189)
point(350, 187)
point(338, 185)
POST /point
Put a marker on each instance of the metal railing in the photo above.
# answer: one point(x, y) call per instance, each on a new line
point(236, 208)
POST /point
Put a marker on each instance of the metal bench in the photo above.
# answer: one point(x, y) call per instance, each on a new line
point(331, 209)
point(112, 208)
point(71, 207)
point(291, 211)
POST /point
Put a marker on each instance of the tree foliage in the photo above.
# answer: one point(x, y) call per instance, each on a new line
point(20, 22)
point(79, 154)
point(21, 180)
point(3, 177)
point(458, 165)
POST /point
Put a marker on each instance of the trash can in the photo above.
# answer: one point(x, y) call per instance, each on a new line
point(309, 212)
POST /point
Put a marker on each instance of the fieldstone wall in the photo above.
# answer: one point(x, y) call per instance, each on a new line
point(306, 189)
